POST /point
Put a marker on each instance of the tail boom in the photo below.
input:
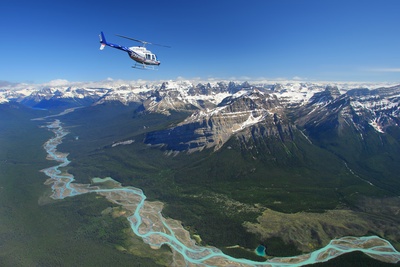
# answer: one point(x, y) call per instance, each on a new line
point(103, 44)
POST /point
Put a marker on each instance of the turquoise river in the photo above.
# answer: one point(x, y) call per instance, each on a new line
point(147, 222)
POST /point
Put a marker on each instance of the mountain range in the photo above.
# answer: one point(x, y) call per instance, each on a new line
point(219, 110)
point(185, 95)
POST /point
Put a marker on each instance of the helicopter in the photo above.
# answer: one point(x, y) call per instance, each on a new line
point(144, 58)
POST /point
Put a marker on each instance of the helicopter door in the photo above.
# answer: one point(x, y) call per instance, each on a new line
point(151, 57)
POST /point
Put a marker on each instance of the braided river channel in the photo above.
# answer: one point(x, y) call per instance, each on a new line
point(147, 222)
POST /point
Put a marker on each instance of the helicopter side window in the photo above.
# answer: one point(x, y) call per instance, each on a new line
point(153, 57)
point(147, 56)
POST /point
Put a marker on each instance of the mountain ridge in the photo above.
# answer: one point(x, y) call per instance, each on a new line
point(188, 96)
point(218, 111)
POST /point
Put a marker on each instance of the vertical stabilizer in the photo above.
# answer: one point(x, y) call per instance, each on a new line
point(103, 42)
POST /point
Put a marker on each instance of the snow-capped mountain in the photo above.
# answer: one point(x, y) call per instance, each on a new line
point(314, 108)
point(63, 97)
point(213, 127)
point(360, 108)
point(380, 107)
point(219, 110)
point(185, 95)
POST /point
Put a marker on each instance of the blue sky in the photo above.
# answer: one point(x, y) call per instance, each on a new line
point(330, 40)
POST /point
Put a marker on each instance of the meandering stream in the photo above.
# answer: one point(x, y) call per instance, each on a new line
point(147, 222)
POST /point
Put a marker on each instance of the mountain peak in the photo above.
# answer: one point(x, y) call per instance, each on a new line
point(333, 91)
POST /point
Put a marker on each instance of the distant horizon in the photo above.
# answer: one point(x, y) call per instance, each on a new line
point(209, 79)
point(65, 83)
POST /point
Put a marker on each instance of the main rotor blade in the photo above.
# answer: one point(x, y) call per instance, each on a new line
point(133, 39)
point(140, 41)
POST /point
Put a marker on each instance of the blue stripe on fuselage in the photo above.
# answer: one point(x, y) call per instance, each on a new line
point(120, 47)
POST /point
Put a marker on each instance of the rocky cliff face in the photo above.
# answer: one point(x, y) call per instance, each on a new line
point(378, 108)
point(213, 127)
point(258, 113)
point(360, 109)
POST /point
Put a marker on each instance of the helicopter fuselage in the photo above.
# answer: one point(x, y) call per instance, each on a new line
point(138, 53)
point(141, 55)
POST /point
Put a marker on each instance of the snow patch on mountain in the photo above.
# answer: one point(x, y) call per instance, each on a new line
point(374, 123)
point(249, 122)
point(123, 143)
point(3, 99)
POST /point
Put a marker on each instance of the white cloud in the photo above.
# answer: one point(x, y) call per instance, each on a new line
point(58, 82)
point(298, 78)
point(180, 78)
point(384, 69)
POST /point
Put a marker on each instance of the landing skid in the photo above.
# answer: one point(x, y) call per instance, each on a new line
point(143, 67)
